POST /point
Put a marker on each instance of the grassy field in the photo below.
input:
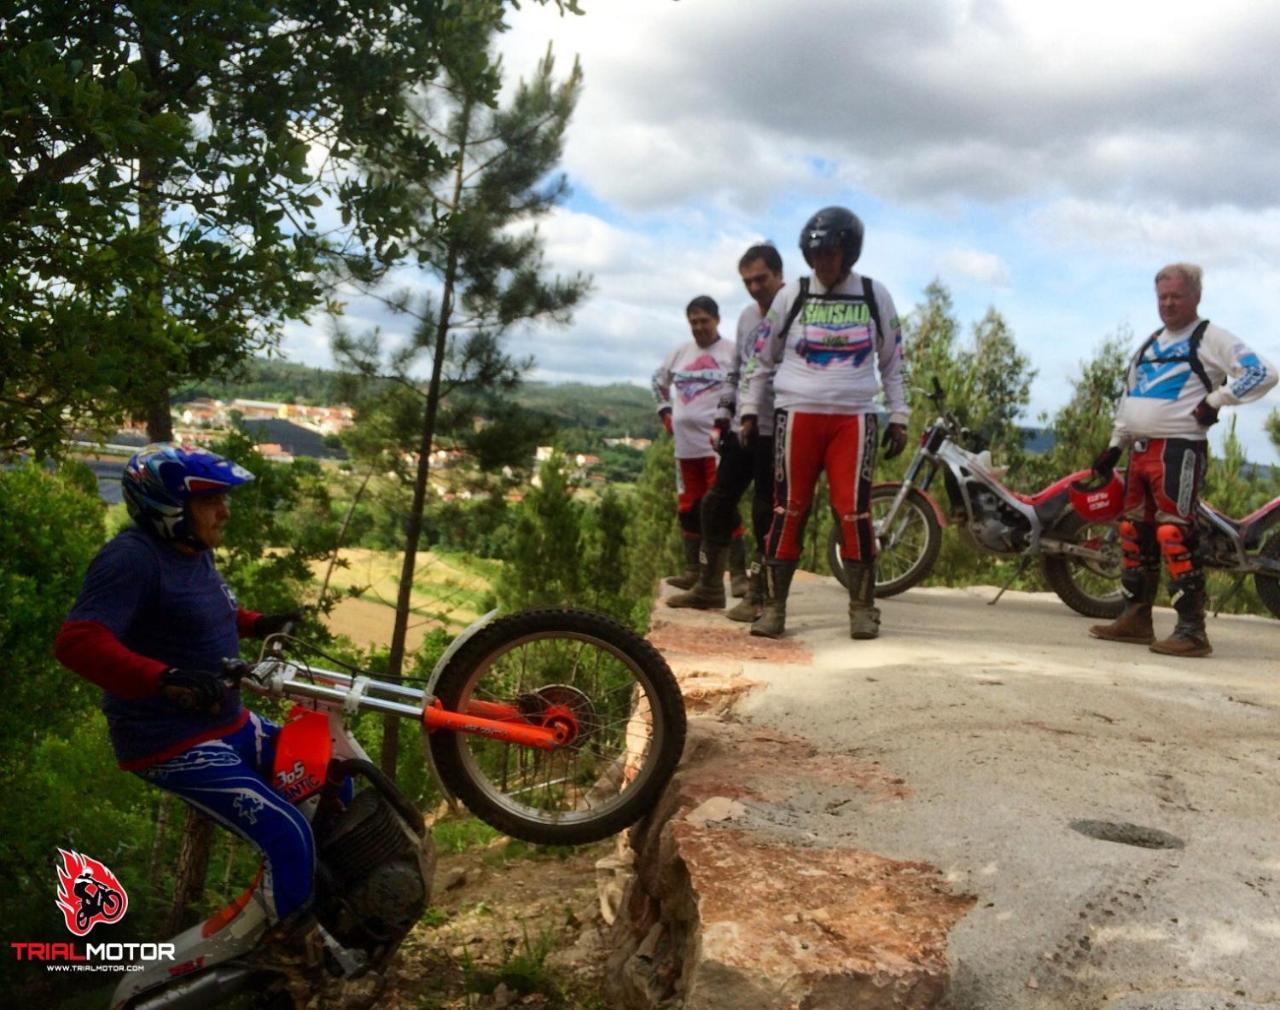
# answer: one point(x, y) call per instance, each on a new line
point(449, 591)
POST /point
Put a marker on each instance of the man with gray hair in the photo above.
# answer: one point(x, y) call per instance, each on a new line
point(1179, 379)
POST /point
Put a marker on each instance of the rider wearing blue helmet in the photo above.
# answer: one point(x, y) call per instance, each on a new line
point(152, 624)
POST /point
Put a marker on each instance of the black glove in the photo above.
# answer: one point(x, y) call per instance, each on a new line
point(193, 690)
point(724, 438)
point(270, 624)
point(895, 439)
point(1106, 462)
point(1205, 415)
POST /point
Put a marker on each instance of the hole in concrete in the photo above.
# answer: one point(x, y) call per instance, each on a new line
point(1127, 834)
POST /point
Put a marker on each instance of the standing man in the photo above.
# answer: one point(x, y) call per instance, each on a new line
point(761, 270)
point(697, 371)
point(1177, 382)
point(832, 340)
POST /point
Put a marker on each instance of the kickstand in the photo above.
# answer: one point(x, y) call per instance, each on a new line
point(1022, 567)
point(1236, 583)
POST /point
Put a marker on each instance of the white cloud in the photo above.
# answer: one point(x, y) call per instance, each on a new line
point(985, 267)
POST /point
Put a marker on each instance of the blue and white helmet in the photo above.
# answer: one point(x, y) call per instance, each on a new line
point(160, 479)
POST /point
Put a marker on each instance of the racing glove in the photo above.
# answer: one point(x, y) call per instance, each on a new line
point(193, 690)
point(665, 417)
point(270, 624)
point(723, 437)
point(1206, 415)
point(748, 430)
point(895, 439)
point(1106, 461)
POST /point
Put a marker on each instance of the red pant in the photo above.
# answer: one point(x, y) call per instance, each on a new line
point(694, 478)
point(844, 445)
point(1162, 483)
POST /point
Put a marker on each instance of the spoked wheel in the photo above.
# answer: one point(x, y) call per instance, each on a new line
point(908, 547)
point(1089, 587)
point(608, 693)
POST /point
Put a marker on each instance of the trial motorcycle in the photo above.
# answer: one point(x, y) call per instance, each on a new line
point(1078, 550)
point(555, 726)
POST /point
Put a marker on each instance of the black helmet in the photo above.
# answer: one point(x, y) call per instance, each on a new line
point(833, 228)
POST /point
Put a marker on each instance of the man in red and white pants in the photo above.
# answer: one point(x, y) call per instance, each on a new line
point(834, 340)
point(696, 372)
point(1177, 382)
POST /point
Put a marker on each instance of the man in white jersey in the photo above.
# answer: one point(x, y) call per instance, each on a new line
point(760, 268)
point(1177, 382)
point(695, 372)
point(833, 339)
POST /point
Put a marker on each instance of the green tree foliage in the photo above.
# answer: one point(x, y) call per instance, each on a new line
point(487, 260)
point(163, 165)
point(1082, 427)
point(546, 561)
point(653, 537)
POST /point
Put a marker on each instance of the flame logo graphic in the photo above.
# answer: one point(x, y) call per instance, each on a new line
point(88, 893)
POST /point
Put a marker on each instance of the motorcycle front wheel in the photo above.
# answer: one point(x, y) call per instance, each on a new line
point(612, 685)
point(908, 548)
point(1088, 587)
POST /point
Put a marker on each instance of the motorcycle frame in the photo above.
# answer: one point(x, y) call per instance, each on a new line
point(938, 449)
point(1249, 531)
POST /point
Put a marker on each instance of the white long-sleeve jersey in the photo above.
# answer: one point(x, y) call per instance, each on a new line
point(831, 354)
point(1162, 389)
point(751, 337)
point(697, 375)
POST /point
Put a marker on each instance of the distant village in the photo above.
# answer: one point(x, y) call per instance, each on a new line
point(286, 431)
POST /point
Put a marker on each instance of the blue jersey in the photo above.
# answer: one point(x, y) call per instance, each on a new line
point(167, 606)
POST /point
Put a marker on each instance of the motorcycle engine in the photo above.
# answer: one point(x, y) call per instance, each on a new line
point(995, 526)
point(374, 881)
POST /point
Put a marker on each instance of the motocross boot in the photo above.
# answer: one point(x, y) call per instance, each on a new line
point(708, 593)
point(1189, 637)
point(749, 608)
point(772, 622)
point(864, 616)
point(1134, 624)
point(692, 569)
point(738, 567)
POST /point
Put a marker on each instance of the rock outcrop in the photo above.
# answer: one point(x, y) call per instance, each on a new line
point(730, 904)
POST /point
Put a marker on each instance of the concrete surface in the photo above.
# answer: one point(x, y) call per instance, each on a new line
point(1006, 724)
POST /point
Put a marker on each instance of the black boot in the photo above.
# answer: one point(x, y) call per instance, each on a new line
point(692, 569)
point(864, 617)
point(1134, 625)
point(708, 593)
point(1189, 637)
point(749, 608)
point(772, 622)
point(738, 568)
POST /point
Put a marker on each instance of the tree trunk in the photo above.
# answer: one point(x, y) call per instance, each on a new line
point(157, 844)
point(342, 536)
point(413, 532)
point(159, 420)
point(150, 222)
point(193, 865)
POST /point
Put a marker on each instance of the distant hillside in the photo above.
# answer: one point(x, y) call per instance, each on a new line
point(609, 411)
point(604, 411)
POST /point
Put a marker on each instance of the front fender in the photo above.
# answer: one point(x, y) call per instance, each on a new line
point(938, 512)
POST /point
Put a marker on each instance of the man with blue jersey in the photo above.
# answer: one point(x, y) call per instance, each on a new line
point(1177, 382)
point(152, 624)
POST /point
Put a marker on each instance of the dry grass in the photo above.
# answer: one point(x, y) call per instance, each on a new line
point(445, 595)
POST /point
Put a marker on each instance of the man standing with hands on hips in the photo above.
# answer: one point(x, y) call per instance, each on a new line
point(833, 340)
point(1177, 382)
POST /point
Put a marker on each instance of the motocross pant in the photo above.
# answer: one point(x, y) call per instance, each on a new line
point(229, 780)
point(1162, 489)
point(740, 466)
point(804, 444)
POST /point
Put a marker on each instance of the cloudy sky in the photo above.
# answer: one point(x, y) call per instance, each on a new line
point(1042, 158)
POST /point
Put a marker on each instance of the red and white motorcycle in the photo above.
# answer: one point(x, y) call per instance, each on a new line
point(1077, 547)
point(555, 726)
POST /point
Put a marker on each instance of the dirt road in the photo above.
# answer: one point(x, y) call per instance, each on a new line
point(1116, 814)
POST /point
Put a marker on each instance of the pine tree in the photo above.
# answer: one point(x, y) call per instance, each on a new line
point(545, 560)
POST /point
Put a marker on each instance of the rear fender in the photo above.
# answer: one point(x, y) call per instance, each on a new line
point(938, 512)
point(1255, 527)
